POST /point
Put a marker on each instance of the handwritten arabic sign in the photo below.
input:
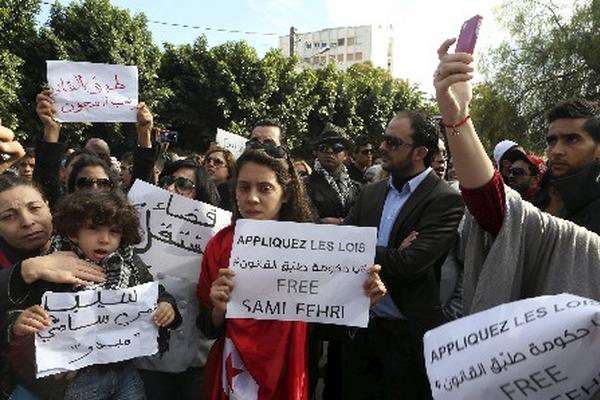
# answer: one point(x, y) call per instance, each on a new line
point(175, 229)
point(236, 144)
point(96, 327)
point(301, 272)
point(541, 348)
point(89, 92)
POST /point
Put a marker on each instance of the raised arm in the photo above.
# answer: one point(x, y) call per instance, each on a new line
point(144, 155)
point(483, 190)
point(453, 91)
point(49, 150)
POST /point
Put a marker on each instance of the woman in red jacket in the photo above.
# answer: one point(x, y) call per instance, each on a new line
point(257, 359)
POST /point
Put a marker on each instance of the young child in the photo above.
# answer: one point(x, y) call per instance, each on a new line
point(101, 229)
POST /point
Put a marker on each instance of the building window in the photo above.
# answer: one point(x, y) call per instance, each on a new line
point(341, 41)
point(350, 57)
point(333, 45)
point(351, 41)
point(323, 45)
point(307, 60)
point(340, 57)
point(358, 56)
point(316, 44)
point(315, 60)
point(323, 59)
point(308, 45)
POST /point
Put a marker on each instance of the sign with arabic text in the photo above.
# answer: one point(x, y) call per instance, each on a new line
point(90, 92)
point(545, 347)
point(175, 229)
point(301, 272)
point(236, 144)
point(96, 327)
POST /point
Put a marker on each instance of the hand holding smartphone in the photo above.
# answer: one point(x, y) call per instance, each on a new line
point(468, 35)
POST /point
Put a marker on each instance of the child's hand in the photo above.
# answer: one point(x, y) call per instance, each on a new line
point(164, 315)
point(31, 321)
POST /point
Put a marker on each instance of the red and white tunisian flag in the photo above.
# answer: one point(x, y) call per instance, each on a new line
point(236, 381)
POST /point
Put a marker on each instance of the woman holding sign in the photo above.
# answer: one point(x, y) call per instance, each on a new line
point(257, 359)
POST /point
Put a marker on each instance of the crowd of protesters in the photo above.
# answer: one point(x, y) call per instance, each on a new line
point(458, 232)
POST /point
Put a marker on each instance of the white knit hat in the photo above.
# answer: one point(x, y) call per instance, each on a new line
point(501, 148)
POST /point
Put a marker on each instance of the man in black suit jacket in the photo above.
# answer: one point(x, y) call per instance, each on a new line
point(385, 360)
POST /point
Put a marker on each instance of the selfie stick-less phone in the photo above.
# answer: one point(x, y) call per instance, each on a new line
point(468, 35)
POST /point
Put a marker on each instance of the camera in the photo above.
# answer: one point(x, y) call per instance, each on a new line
point(168, 137)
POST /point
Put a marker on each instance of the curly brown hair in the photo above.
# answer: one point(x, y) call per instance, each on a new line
point(297, 208)
point(102, 207)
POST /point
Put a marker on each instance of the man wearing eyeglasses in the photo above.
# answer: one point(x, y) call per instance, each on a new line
point(268, 129)
point(331, 189)
point(524, 175)
point(362, 159)
point(385, 360)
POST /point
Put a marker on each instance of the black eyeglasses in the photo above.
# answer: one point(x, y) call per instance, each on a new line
point(366, 152)
point(393, 141)
point(336, 147)
point(182, 185)
point(516, 171)
point(88, 183)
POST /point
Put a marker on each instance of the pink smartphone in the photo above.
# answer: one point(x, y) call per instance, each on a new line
point(468, 35)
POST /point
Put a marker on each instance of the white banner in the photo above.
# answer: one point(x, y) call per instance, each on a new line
point(301, 272)
point(175, 229)
point(96, 327)
point(236, 144)
point(90, 92)
point(540, 348)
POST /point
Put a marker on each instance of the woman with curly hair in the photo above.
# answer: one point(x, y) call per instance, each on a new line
point(100, 229)
point(273, 352)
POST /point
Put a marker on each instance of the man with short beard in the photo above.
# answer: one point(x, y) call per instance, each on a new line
point(385, 360)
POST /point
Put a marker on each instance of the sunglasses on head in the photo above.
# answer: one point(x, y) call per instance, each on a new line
point(255, 143)
point(86, 183)
point(182, 185)
point(217, 162)
point(336, 147)
point(268, 146)
point(393, 141)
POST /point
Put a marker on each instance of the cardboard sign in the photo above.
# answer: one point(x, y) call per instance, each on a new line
point(301, 272)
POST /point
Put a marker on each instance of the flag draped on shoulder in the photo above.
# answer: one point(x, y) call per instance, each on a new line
point(262, 360)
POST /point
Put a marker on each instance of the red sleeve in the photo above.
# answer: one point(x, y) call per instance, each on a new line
point(216, 256)
point(486, 203)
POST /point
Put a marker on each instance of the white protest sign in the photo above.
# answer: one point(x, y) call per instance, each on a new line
point(540, 348)
point(175, 229)
point(96, 327)
point(90, 92)
point(301, 272)
point(236, 144)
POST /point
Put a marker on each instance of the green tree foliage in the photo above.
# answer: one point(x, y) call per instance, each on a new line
point(18, 38)
point(193, 88)
point(96, 31)
point(553, 54)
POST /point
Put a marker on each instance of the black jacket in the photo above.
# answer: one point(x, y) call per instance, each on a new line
point(412, 275)
point(581, 197)
point(325, 200)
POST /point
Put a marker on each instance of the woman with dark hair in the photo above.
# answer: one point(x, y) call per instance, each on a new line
point(274, 353)
point(178, 373)
point(220, 167)
point(219, 164)
point(91, 172)
point(188, 179)
point(25, 231)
